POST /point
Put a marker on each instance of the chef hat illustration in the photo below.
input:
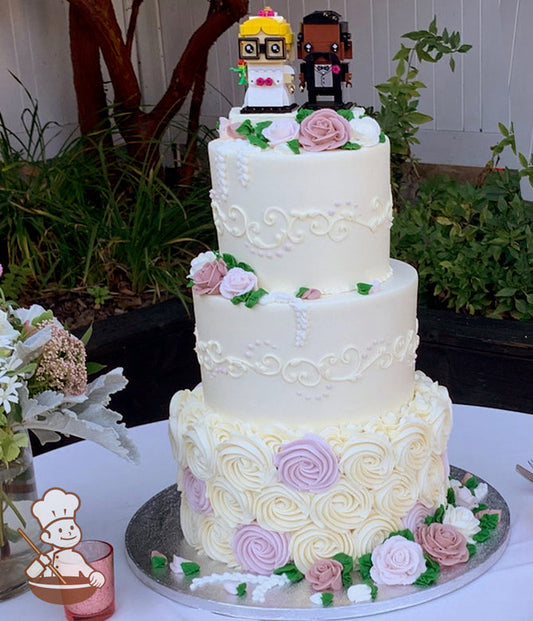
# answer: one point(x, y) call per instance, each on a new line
point(56, 504)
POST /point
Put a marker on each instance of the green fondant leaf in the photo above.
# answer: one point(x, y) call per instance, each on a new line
point(294, 145)
point(408, 534)
point(245, 128)
point(245, 267)
point(382, 137)
point(291, 571)
point(351, 146)
point(260, 127)
point(483, 535)
point(258, 141)
point(450, 496)
point(241, 589)
point(190, 283)
point(302, 113)
point(346, 113)
point(480, 507)
point(365, 563)
point(489, 521)
point(430, 575)
point(158, 562)
point(347, 567)
point(363, 288)
point(327, 599)
point(301, 291)
point(190, 568)
point(254, 297)
point(471, 483)
point(373, 588)
point(471, 550)
point(229, 260)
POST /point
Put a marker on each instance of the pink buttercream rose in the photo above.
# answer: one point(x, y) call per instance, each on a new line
point(208, 278)
point(195, 491)
point(236, 282)
point(416, 516)
point(325, 575)
point(444, 543)
point(308, 464)
point(397, 561)
point(226, 129)
point(324, 130)
point(281, 130)
point(259, 550)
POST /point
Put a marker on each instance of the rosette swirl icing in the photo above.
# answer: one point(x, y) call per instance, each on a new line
point(416, 516)
point(230, 505)
point(199, 451)
point(341, 508)
point(246, 461)
point(368, 458)
point(195, 491)
point(190, 524)
point(372, 532)
point(282, 509)
point(313, 543)
point(307, 464)
point(411, 445)
point(259, 550)
point(216, 540)
point(397, 495)
point(432, 482)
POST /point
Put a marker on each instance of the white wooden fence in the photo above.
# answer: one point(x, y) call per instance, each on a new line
point(491, 83)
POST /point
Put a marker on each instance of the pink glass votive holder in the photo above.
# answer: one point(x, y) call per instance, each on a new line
point(100, 605)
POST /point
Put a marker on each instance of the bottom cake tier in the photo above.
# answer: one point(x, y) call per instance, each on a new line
point(257, 496)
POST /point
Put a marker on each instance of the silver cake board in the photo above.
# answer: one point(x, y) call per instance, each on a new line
point(156, 526)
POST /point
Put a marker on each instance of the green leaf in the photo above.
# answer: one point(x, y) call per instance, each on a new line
point(46, 316)
point(471, 550)
point(452, 63)
point(365, 563)
point(430, 575)
point(241, 589)
point(405, 533)
point(229, 260)
point(351, 146)
point(94, 367)
point(327, 599)
point(302, 114)
point(437, 516)
point(189, 568)
point(347, 567)
point(257, 141)
point(346, 113)
point(291, 571)
point(472, 483)
point(363, 288)
point(261, 126)
point(433, 26)
point(245, 128)
point(489, 521)
point(301, 291)
point(373, 588)
point(294, 145)
point(87, 335)
point(382, 137)
point(450, 496)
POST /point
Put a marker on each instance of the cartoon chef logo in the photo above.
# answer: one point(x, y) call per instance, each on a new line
point(61, 574)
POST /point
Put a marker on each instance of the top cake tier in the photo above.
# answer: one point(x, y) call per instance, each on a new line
point(303, 217)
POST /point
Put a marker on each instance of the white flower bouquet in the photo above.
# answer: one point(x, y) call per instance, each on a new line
point(44, 385)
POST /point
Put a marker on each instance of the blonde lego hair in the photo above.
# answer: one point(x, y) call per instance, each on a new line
point(273, 26)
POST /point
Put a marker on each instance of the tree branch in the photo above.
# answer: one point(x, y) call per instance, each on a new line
point(133, 24)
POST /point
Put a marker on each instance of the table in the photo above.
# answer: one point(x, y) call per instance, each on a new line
point(484, 441)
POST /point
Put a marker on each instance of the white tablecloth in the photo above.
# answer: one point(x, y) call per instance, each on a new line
point(484, 441)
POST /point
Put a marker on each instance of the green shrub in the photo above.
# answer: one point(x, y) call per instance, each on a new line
point(473, 247)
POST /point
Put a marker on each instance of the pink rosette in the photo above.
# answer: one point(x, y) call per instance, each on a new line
point(308, 464)
point(325, 575)
point(397, 561)
point(324, 130)
point(195, 491)
point(226, 129)
point(236, 282)
point(311, 294)
point(258, 550)
point(416, 516)
point(281, 131)
point(444, 543)
point(208, 278)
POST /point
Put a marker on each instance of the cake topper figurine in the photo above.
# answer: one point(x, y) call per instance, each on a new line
point(265, 49)
point(323, 44)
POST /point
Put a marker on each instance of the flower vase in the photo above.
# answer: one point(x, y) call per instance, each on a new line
point(17, 494)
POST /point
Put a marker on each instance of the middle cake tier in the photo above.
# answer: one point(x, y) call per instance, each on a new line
point(349, 354)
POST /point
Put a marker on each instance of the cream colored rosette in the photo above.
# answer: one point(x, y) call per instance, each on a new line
point(397, 495)
point(222, 428)
point(342, 508)
point(246, 462)
point(216, 540)
point(190, 523)
point(432, 482)
point(198, 448)
point(312, 543)
point(337, 436)
point(372, 533)
point(367, 458)
point(276, 435)
point(229, 504)
point(412, 444)
point(282, 509)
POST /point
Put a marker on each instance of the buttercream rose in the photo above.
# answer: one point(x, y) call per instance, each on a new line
point(325, 575)
point(259, 550)
point(365, 131)
point(208, 278)
point(236, 282)
point(416, 516)
point(195, 491)
point(226, 129)
point(464, 520)
point(443, 542)
point(281, 130)
point(308, 464)
point(198, 262)
point(324, 130)
point(397, 561)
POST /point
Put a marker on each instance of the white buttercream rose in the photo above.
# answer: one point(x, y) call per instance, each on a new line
point(281, 130)
point(198, 262)
point(358, 112)
point(237, 282)
point(365, 131)
point(464, 521)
